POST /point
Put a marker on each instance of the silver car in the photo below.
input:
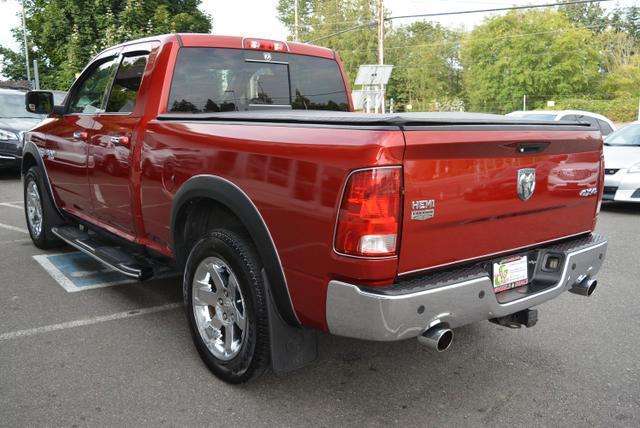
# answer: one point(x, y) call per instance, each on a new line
point(622, 165)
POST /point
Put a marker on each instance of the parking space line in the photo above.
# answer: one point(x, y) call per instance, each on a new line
point(87, 321)
point(16, 205)
point(76, 272)
point(55, 273)
point(15, 241)
point(13, 228)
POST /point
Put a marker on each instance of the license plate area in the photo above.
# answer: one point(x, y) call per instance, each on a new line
point(511, 272)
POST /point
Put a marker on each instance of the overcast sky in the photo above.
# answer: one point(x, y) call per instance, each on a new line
point(258, 18)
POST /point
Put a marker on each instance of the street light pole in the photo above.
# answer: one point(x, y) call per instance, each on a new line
point(295, 24)
point(381, 45)
point(26, 47)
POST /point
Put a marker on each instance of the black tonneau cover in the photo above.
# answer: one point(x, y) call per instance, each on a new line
point(401, 120)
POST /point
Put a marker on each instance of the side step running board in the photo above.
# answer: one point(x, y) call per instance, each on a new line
point(111, 256)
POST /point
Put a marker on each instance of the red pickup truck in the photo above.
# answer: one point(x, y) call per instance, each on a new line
point(240, 163)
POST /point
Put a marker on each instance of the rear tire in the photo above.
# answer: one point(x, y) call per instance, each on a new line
point(226, 306)
point(39, 211)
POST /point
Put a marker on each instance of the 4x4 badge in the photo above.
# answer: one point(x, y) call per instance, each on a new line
point(526, 183)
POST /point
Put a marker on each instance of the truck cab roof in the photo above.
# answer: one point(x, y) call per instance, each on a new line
point(233, 42)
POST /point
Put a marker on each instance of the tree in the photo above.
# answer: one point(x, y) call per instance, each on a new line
point(538, 53)
point(286, 15)
point(64, 34)
point(427, 67)
point(321, 18)
point(586, 15)
point(627, 20)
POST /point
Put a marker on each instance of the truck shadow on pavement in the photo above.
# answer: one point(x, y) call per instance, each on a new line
point(621, 207)
point(9, 175)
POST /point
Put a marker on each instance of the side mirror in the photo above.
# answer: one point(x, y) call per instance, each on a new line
point(39, 102)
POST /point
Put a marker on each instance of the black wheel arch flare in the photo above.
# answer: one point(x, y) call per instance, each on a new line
point(223, 191)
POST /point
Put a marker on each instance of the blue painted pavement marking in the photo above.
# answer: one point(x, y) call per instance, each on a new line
point(77, 271)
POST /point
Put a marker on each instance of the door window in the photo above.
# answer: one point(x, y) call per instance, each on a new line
point(605, 128)
point(89, 96)
point(591, 120)
point(126, 84)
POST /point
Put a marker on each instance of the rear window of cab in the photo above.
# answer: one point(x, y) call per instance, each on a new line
point(207, 80)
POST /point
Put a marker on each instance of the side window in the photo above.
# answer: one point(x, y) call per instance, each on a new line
point(589, 119)
point(570, 118)
point(88, 97)
point(126, 84)
point(605, 128)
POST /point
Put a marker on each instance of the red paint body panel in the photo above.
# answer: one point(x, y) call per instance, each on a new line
point(295, 174)
point(471, 177)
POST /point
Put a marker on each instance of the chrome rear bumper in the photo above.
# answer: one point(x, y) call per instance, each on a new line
point(453, 298)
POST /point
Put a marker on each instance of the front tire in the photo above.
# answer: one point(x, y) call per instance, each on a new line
point(226, 306)
point(39, 211)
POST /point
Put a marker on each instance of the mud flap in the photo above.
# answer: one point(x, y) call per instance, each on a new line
point(291, 347)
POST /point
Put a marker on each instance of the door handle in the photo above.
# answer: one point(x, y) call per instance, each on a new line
point(81, 135)
point(121, 140)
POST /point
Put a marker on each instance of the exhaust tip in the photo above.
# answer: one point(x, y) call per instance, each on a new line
point(437, 338)
point(586, 287)
point(445, 340)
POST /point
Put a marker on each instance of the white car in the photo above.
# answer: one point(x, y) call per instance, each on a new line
point(605, 126)
point(622, 165)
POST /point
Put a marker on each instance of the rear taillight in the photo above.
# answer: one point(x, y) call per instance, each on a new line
point(369, 215)
point(600, 185)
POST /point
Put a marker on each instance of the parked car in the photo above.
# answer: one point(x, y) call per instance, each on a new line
point(622, 165)
point(599, 121)
point(14, 121)
point(283, 219)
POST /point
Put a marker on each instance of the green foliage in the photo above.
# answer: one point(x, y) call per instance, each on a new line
point(286, 14)
point(627, 20)
point(319, 18)
point(65, 34)
point(425, 55)
point(587, 15)
point(538, 53)
point(426, 66)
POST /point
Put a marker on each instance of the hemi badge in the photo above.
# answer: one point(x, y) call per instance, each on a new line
point(423, 209)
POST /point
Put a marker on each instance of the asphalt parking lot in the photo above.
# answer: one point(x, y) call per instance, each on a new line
point(122, 355)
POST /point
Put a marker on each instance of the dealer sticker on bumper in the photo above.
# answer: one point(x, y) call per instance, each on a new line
point(510, 273)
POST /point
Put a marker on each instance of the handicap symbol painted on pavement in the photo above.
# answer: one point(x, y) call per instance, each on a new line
point(78, 272)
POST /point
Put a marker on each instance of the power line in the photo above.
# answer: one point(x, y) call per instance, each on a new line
point(461, 12)
point(495, 9)
point(333, 24)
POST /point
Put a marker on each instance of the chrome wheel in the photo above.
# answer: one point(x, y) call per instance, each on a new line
point(219, 308)
point(34, 209)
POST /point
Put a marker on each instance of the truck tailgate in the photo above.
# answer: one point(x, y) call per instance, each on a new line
point(462, 200)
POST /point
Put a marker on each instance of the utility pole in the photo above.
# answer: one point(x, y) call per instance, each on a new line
point(295, 23)
point(381, 44)
point(36, 76)
point(524, 103)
